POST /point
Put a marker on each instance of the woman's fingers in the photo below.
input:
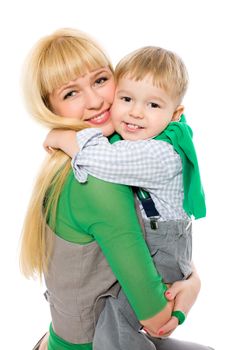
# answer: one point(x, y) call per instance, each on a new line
point(165, 330)
point(168, 328)
point(172, 291)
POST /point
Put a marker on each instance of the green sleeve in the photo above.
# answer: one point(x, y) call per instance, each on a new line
point(106, 212)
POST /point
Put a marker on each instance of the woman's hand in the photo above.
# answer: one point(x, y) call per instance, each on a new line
point(184, 295)
point(154, 324)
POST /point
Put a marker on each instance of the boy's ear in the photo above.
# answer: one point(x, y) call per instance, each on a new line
point(177, 114)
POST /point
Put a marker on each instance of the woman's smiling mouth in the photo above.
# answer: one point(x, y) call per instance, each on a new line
point(99, 119)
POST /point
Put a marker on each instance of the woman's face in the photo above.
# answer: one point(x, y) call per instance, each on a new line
point(87, 98)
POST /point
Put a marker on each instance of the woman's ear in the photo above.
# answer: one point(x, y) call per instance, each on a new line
point(177, 114)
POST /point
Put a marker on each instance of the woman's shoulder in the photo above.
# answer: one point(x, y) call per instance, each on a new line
point(95, 195)
point(93, 186)
point(95, 200)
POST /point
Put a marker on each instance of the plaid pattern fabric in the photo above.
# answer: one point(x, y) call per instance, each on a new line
point(150, 164)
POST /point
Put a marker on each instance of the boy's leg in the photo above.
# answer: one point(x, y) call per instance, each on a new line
point(118, 328)
point(175, 344)
point(170, 246)
point(171, 250)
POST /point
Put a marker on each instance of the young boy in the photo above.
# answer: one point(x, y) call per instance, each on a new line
point(157, 154)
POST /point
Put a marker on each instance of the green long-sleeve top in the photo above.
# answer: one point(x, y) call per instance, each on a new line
point(105, 212)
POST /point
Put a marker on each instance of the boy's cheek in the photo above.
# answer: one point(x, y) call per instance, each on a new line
point(117, 128)
point(114, 117)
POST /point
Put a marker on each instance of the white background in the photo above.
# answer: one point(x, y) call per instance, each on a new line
point(201, 32)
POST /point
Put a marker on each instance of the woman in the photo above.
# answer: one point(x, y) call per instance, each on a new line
point(68, 83)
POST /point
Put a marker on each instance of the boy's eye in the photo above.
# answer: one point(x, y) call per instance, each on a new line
point(101, 80)
point(70, 94)
point(154, 105)
point(126, 98)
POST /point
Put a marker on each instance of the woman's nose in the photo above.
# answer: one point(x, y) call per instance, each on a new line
point(93, 99)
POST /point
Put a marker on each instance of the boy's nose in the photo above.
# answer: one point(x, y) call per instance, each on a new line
point(136, 112)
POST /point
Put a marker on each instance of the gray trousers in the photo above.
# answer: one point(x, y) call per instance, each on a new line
point(170, 246)
point(118, 328)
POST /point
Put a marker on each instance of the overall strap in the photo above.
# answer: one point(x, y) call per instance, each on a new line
point(149, 206)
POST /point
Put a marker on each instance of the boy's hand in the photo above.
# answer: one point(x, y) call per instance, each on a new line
point(64, 140)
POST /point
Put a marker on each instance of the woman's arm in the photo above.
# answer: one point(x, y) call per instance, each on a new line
point(106, 211)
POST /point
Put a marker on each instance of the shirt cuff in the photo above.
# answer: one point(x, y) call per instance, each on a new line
point(86, 137)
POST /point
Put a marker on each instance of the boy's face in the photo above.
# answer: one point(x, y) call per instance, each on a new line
point(142, 110)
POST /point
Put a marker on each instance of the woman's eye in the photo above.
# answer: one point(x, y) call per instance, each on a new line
point(154, 105)
point(101, 80)
point(126, 98)
point(70, 94)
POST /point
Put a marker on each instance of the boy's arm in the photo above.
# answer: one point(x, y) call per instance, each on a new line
point(144, 163)
point(64, 140)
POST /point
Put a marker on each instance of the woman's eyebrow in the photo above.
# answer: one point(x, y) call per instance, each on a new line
point(65, 87)
point(69, 85)
point(73, 84)
point(99, 71)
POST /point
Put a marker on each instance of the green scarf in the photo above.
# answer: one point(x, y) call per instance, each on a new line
point(179, 135)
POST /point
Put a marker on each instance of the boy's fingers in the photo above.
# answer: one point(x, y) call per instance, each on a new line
point(48, 149)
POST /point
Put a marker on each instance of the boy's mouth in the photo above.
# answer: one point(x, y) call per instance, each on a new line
point(132, 127)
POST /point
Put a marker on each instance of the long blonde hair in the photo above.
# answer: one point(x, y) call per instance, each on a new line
point(55, 60)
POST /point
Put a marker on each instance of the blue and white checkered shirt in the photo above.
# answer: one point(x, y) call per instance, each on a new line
point(150, 164)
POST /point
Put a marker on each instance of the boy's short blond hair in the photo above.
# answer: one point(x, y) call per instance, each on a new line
point(165, 67)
